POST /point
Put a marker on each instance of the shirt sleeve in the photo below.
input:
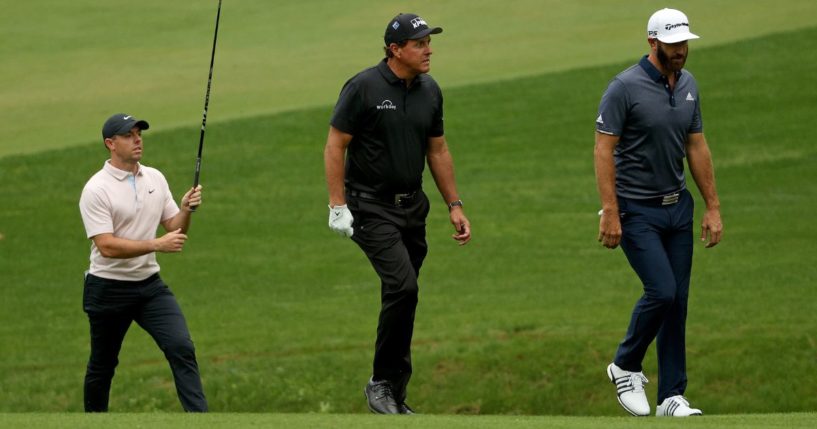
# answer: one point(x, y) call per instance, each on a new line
point(437, 126)
point(613, 109)
point(697, 124)
point(96, 212)
point(348, 109)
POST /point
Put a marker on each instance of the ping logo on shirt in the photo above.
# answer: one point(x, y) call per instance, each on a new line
point(386, 105)
point(416, 22)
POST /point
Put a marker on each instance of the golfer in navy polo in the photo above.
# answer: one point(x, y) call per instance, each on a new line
point(387, 124)
point(649, 120)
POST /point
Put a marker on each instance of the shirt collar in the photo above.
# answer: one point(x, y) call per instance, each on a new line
point(388, 74)
point(120, 174)
point(653, 72)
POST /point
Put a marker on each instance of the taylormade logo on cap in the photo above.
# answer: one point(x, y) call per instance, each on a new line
point(669, 26)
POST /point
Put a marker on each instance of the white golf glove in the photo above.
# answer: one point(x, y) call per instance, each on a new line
point(340, 220)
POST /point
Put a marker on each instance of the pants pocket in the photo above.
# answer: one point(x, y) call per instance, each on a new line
point(92, 299)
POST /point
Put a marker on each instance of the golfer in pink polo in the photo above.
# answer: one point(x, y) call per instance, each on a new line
point(122, 205)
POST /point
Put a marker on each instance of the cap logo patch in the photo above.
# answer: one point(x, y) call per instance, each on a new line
point(416, 22)
point(127, 117)
point(671, 26)
point(396, 25)
point(386, 105)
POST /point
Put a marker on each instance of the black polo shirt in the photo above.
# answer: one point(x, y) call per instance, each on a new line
point(390, 124)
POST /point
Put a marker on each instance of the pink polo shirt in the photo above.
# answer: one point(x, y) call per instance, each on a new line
point(128, 206)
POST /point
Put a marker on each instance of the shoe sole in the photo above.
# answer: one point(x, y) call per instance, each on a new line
point(612, 380)
point(690, 415)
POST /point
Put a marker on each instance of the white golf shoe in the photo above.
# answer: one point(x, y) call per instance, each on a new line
point(676, 406)
point(630, 390)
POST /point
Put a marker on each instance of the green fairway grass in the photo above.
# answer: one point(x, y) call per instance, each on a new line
point(68, 65)
point(341, 421)
point(523, 320)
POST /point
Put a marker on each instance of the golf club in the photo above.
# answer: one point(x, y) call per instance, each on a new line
point(206, 102)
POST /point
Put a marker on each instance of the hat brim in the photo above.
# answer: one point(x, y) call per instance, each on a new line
point(139, 123)
point(426, 32)
point(675, 38)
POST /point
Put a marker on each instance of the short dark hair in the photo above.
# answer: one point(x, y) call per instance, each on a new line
point(400, 44)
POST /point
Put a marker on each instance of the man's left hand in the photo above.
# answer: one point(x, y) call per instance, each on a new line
point(192, 199)
point(711, 227)
point(461, 225)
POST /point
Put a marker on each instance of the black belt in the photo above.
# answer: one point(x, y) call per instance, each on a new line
point(395, 199)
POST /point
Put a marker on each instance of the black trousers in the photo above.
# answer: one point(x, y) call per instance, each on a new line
point(394, 239)
point(111, 306)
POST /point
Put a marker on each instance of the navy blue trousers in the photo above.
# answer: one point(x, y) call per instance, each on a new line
point(112, 306)
point(658, 243)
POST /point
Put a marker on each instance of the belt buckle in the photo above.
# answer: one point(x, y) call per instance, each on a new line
point(398, 199)
point(670, 199)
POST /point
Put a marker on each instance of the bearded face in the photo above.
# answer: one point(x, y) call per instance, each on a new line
point(672, 56)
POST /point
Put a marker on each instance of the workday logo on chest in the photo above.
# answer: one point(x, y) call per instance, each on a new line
point(386, 105)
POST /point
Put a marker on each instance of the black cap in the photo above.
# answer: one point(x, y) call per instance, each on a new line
point(408, 26)
point(122, 123)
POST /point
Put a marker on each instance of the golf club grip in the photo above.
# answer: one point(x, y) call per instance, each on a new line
point(206, 102)
point(196, 179)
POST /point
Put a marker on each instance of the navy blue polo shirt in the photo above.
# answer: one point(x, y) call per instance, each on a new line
point(390, 124)
point(653, 125)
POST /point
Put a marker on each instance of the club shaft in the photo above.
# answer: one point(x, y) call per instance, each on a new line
point(207, 99)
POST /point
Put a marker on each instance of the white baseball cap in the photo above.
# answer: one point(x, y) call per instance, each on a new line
point(669, 26)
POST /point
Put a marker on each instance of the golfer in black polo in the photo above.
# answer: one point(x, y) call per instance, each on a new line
point(649, 120)
point(387, 123)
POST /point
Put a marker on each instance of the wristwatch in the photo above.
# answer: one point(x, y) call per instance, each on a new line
point(455, 203)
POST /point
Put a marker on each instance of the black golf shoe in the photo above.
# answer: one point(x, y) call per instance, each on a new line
point(403, 408)
point(380, 397)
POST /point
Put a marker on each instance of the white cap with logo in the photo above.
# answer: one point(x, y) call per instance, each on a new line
point(669, 26)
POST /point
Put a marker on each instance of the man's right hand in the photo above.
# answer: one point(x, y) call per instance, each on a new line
point(171, 242)
point(340, 220)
